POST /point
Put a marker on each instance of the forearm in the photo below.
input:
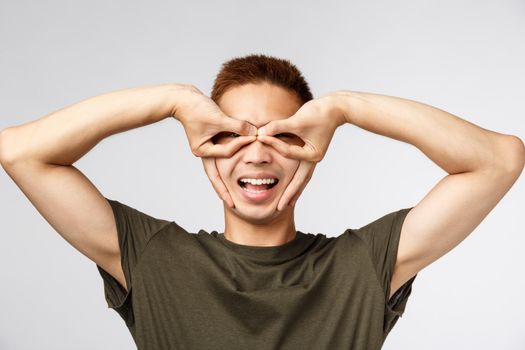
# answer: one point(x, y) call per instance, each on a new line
point(454, 144)
point(64, 136)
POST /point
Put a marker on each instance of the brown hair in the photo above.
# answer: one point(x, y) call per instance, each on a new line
point(257, 68)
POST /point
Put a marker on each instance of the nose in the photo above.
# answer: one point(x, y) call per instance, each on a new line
point(256, 152)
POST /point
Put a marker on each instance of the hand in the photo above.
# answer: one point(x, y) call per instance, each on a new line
point(315, 123)
point(202, 119)
point(302, 176)
point(210, 167)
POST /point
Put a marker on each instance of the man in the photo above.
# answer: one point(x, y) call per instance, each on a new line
point(260, 284)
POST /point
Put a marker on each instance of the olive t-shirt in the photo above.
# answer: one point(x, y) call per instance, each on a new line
point(202, 291)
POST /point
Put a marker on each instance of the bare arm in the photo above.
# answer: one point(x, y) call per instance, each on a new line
point(64, 136)
point(482, 166)
point(38, 156)
point(454, 144)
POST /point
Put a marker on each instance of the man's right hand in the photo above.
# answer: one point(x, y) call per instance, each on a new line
point(202, 119)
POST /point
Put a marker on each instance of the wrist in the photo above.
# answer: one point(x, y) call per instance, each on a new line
point(339, 106)
point(174, 96)
point(182, 96)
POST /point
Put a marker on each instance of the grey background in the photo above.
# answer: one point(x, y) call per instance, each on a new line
point(465, 57)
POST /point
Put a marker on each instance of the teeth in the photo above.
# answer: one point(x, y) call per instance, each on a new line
point(254, 191)
point(258, 181)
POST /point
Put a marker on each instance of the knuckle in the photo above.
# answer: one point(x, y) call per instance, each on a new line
point(286, 152)
point(191, 87)
point(317, 156)
point(295, 124)
point(223, 153)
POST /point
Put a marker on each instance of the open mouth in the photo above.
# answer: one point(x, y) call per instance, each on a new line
point(257, 186)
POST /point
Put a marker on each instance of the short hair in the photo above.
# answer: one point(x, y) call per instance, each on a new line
point(258, 68)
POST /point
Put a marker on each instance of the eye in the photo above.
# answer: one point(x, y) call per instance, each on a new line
point(223, 137)
point(290, 139)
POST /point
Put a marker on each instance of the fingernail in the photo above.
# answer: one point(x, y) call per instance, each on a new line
point(262, 131)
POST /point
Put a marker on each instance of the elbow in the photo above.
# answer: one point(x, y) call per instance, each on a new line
point(513, 158)
point(7, 156)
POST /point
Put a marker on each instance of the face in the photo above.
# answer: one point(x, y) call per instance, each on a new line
point(258, 104)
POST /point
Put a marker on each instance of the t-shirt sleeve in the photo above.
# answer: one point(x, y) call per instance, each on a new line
point(134, 230)
point(382, 240)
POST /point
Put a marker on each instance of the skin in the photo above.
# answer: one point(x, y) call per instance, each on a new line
point(260, 224)
point(482, 165)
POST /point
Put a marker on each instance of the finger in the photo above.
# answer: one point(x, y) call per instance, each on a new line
point(240, 127)
point(237, 143)
point(298, 182)
point(287, 150)
point(303, 186)
point(225, 150)
point(277, 126)
point(210, 168)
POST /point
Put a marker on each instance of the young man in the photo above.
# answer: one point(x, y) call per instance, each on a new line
point(260, 284)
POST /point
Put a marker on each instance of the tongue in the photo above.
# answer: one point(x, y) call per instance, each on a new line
point(256, 187)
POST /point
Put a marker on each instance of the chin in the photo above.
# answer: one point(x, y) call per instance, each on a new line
point(257, 214)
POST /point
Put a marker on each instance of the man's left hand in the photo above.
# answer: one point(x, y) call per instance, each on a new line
point(315, 123)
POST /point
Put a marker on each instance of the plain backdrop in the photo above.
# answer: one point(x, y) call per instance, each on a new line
point(465, 57)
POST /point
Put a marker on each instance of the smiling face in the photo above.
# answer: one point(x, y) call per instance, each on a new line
point(258, 104)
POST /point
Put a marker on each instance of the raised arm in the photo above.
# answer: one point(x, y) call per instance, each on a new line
point(482, 166)
point(38, 156)
point(64, 136)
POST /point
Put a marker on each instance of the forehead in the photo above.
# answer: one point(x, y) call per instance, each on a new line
point(259, 103)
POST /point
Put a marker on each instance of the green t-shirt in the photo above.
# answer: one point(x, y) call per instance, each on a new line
point(201, 291)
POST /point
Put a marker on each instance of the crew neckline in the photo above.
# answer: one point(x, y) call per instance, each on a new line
point(284, 251)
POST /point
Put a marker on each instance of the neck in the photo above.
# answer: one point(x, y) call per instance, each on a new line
point(272, 232)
